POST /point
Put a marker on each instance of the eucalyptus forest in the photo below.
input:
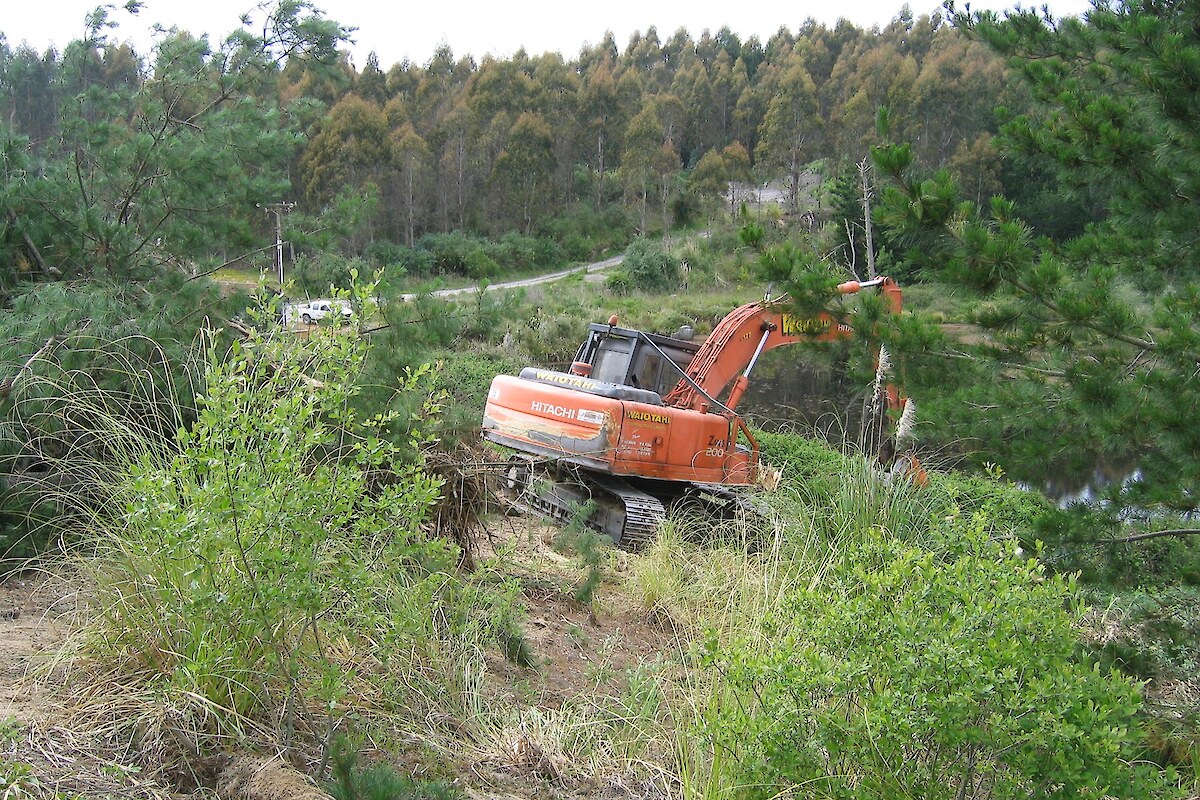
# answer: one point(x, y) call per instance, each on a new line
point(252, 558)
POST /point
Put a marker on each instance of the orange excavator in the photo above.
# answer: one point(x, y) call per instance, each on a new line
point(639, 422)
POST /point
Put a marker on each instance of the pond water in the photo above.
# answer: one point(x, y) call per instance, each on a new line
point(803, 396)
point(806, 396)
point(1086, 486)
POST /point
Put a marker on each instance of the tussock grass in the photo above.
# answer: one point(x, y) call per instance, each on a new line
point(603, 742)
point(696, 587)
point(742, 569)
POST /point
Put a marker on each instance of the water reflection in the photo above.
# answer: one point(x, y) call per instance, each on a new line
point(1086, 486)
point(804, 395)
point(814, 395)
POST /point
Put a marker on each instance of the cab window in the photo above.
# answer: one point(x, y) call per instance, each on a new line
point(612, 361)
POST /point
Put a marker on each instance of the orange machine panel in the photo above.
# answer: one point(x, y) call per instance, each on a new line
point(671, 444)
point(551, 420)
point(620, 437)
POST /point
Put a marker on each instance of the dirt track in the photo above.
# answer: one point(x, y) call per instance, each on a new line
point(596, 266)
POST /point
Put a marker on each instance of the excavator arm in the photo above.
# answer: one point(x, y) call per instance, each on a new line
point(730, 353)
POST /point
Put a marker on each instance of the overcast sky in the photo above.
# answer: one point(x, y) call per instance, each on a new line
point(397, 31)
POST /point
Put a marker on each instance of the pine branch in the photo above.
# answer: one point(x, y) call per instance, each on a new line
point(1029, 291)
point(959, 356)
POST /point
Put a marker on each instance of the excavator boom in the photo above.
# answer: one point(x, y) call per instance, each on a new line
point(752, 329)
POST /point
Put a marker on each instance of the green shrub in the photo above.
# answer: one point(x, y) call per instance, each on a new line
point(578, 539)
point(804, 460)
point(1010, 511)
point(649, 267)
point(1078, 539)
point(588, 231)
point(463, 335)
point(480, 265)
point(250, 571)
point(315, 274)
point(460, 253)
point(390, 257)
point(449, 251)
point(515, 251)
point(576, 247)
point(617, 281)
point(225, 560)
point(76, 353)
point(379, 781)
point(926, 673)
point(383, 253)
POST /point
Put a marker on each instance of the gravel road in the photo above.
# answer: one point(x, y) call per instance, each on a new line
point(596, 266)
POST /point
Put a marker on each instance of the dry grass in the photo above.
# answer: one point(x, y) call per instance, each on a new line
point(57, 761)
point(593, 719)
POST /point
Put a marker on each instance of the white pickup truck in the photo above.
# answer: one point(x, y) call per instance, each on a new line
point(313, 311)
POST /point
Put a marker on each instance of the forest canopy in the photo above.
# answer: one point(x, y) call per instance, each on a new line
point(487, 146)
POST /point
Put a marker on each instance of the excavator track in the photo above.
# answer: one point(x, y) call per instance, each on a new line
point(622, 512)
point(643, 512)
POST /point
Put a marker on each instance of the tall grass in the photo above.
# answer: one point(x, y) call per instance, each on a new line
point(714, 584)
point(262, 578)
point(744, 568)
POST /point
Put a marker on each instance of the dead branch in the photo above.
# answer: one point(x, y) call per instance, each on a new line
point(1152, 535)
point(852, 258)
point(220, 267)
point(33, 248)
point(960, 356)
point(6, 385)
point(864, 174)
point(312, 383)
point(239, 327)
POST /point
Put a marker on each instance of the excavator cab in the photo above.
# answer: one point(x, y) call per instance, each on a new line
point(629, 357)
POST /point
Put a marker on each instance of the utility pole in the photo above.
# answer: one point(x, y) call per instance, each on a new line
point(278, 209)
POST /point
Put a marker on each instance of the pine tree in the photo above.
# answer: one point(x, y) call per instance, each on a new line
point(1108, 323)
point(104, 226)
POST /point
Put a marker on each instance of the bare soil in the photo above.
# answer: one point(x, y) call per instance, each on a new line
point(42, 754)
point(965, 333)
point(580, 653)
point(577, 648)
point(31, 629)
